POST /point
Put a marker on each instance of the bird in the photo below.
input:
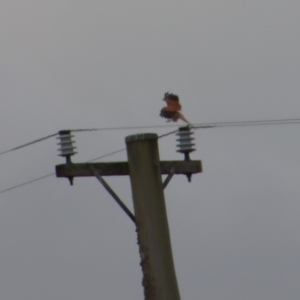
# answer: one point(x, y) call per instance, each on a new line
point(172, 111)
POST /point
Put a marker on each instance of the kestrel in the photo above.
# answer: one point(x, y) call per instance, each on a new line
point(171, 111)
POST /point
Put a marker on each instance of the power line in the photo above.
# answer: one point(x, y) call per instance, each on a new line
point(48, 175)
point(168, 133)
point(84, 130)
point(195, 126)
point(25, 183)
point(122, 128)
point(117, 151)
point(30, 143)
point(247, 123)
point(201, 125)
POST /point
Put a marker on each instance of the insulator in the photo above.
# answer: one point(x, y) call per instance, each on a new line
point(185, 144)
point(66, 143)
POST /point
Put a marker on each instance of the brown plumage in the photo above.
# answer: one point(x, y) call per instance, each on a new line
point(171, 111)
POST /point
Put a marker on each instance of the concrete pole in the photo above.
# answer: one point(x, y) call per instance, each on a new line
point(159, 278)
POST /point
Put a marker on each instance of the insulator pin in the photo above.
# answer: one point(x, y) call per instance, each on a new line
point(66, 147)
point(66, 143)
point(185, 144)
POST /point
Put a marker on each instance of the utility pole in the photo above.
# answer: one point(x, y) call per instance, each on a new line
point(150, 216)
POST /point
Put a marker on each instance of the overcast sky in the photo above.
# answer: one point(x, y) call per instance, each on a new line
point(85, 64)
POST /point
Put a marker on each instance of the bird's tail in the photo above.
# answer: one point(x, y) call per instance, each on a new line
point(181, 117)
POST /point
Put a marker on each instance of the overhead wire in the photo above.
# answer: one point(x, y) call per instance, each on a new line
point(105, 155)
point(168, 133)
point(122, 128)
point(200, 125)
point(29, 143)
point(194, 126)
point(247, 123)
point(25, 183)
point(95, 159)
point(50, 174)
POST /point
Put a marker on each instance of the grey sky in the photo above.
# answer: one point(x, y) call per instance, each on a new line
point(74, 64)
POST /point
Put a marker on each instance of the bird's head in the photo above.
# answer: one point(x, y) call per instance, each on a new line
point(172, 97)
point(165, 96)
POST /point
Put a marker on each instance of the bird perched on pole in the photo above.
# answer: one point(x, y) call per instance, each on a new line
point(172, 111)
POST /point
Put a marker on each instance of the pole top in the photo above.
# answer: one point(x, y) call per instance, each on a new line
point(141, 137)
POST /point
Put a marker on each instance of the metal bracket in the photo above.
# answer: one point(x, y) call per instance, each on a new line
point(168, 178)
point(114, 195)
